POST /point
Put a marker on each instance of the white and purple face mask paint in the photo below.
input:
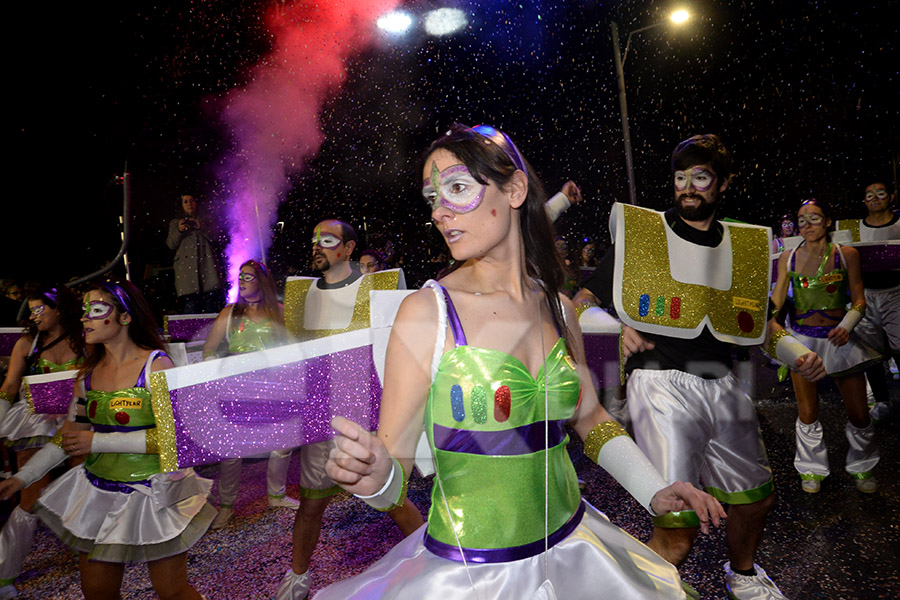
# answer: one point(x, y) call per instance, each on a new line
point(701, 178)
point(453, 188)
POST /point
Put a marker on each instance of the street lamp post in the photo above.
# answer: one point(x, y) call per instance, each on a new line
point(678, 17)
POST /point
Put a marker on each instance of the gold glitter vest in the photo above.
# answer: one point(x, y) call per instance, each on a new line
point(649, 298)
point(296, 290)
point(851, 225)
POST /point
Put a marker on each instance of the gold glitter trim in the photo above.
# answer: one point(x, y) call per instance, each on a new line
point(599, 435)
point(295, 304)
point(583, 306)
point(646, 272)
point(152, 441)
point(773, 341)
point(621, 358)
point(26, 391)
point(57, 439)
point(161, 403)
point(7, 396)
point(860, 308)
point(851, 225)
point(165, 324)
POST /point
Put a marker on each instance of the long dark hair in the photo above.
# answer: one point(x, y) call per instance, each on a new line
point(268, 295)
point(496, 158)
point(62, 299)
point(142, 330)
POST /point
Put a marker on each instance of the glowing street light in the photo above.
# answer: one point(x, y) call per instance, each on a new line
point(396, 22)
point(445, 21)
point(679, 17)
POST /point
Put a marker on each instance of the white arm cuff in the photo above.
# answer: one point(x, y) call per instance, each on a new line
point(556, 206)
point(40, 464)
point(390, 493)
point(130, 442)
point(789, 349)
point(850, 319)
point(622, 459)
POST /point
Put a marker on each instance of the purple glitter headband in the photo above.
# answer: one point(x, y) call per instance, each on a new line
point(52, 295)
point(116, 291)
point(504, 142)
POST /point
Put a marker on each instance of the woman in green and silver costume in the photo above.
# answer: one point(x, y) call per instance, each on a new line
point(490, 360)
point(825, 277)
point(118, 507)
point(254, 322)
point(53, 342)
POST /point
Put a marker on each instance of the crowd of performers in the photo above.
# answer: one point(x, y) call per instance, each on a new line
point(488, 361)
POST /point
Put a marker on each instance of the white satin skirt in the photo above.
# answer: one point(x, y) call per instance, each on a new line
point(150, 523)
point(23, 429)
point(852, 357)
point(598, 560)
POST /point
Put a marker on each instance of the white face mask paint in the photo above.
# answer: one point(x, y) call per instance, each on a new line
point(453, 188)
point(702, 179)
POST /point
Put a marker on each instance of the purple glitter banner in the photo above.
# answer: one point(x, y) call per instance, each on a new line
point(8, 338)
point(602, 353)
point(276, 407)
point(49, 397)
point(879, 257)
point(186, 328)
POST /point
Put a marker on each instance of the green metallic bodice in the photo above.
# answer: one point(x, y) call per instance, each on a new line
point(822, 291)
point(249, 336)
point(124, 409)
point(492, 407)
point(42, 365)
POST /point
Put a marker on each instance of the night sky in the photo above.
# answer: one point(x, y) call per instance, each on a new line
point(804, 94)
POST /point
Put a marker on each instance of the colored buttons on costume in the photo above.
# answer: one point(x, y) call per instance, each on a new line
point(502, 403)
point(479, 405)
point(457, 406)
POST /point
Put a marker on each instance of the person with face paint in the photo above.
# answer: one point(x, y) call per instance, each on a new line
point(490, 359)
point(786, 229)
point(826, 277)
point(880, 328)
point(118, 507)
point(196, 272)
point(52, 343)
point(254, 322)
point(687, 287)
point(370, 261)
point(336, 302)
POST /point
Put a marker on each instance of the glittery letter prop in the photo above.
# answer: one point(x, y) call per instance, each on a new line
point(666, 285)
point(8, 338)
point(277, 398)
point(49, 394)
point(186, 328)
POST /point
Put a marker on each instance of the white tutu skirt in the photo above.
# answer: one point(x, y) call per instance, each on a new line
point(23, 429)
point(598, 560)
point(852, 357)
point(150, 523)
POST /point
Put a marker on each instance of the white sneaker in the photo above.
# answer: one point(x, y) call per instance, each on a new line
point(751, 587)
point(222, 519)
point(293, 586)
point(869, 485)
point(810, 486)
point(283, 502)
